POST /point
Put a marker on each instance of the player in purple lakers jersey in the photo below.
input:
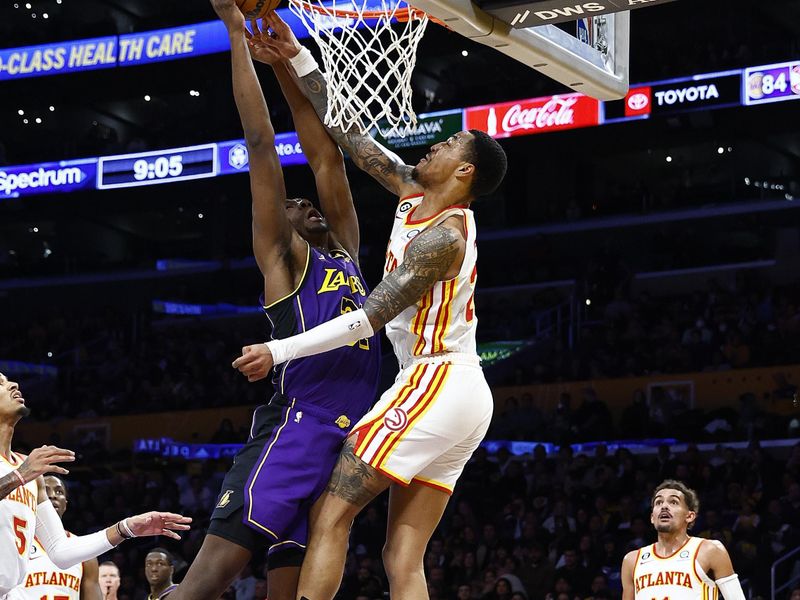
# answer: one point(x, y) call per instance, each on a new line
point(311, 275)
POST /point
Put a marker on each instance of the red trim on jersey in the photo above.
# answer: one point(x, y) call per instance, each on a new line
point(420, 322)
point(674, 553)
point(409, 221)
point(636, 562)
point(417, 195)
point(694, 563)
point(442, 322)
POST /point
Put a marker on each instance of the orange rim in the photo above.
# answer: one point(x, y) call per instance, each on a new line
point(401, 14)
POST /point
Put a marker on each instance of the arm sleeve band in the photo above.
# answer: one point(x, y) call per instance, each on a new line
point(303, 63)
point(64, 551)
point(730, 587)
point(338, 332)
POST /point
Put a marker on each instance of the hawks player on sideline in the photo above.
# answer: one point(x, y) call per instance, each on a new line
point(678, 566)
point(311, 274)
point(25, 507)
point(426, 426)
point(45, 580)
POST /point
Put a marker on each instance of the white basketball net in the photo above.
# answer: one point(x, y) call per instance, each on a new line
point(368, 62)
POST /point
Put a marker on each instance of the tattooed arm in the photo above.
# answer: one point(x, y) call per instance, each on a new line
point(435, 255)
point(385, 166)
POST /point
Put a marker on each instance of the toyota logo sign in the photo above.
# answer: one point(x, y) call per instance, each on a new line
point(638, 101)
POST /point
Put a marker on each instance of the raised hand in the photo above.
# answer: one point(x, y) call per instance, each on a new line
point(281, 38)
point(259, 50)
point(255, 362)
point(230, 14)
point(44, 460)
point(158, 523)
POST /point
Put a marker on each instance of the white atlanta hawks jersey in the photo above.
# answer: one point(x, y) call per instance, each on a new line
point(44, 580)
point(17, 526)
point(444, 319)
point(675, 577)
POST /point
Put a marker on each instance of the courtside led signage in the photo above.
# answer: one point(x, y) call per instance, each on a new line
point(772, 83)
point(537, 115)
point(696, 94)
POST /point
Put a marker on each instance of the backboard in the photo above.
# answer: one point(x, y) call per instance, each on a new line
point(526, 31)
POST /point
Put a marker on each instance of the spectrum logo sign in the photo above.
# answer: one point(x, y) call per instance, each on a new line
point(41, 179)
point(639, 102)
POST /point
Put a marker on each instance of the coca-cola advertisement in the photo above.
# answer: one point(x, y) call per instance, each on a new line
point(537, 115)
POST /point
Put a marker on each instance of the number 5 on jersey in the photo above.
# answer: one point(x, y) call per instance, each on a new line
point(20, 525)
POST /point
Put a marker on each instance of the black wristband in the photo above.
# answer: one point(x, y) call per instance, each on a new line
point(121, 533)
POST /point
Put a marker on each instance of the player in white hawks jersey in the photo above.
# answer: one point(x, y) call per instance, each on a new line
point(418, 437)
point(43, 579)
point(678, 566)
point(25, 508)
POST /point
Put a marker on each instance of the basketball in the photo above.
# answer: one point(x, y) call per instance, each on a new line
point(256, 9)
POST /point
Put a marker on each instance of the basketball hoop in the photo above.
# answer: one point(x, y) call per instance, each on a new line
point(368, 62)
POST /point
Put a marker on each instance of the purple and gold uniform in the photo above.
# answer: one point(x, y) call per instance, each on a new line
point(295, 439)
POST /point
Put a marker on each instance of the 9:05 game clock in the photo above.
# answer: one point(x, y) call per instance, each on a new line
point(163, 166)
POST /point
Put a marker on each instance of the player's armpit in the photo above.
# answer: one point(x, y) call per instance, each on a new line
point(383, 165)
point(715, 560)
point(429, 259)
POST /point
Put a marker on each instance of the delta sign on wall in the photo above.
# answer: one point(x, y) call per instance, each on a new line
point(536, 115)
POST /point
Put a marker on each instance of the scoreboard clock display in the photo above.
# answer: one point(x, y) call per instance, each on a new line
point(772, 83)
point(164, 166)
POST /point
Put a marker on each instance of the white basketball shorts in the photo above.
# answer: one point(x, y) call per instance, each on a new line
point(427, 425)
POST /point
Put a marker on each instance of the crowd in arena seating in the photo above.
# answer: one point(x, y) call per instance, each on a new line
point(536, 527)
point(715, 330)
point(113, 364)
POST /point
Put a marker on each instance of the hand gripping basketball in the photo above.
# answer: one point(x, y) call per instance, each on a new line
point(281, 38)
point(43, 460)
point(158, 523)
point(255, 362)
point(230, 14)
point(259, 50)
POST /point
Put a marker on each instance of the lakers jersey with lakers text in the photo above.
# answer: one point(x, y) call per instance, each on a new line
point(45, 580)
point(443, 320)
point(17, 527)
point(674, 577)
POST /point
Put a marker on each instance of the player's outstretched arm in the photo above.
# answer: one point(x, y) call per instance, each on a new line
point(322, 153)
point(68, 551)
point(434, 255)
point(273, 235)
point(90, 581)
point(385, 166)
